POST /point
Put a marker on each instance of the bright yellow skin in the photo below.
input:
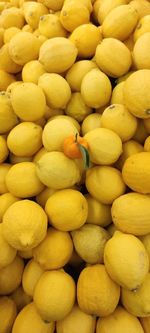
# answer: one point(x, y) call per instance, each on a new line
point(29, 317)
point(77, 320)
point(76, 73)
point(3, 149)
point(6, 63)
point(30, 277)
point(44, 196)
point(31, 71)
point(106, 6)
point(96, 293)
point(130, 148)
point(31, 47)
point(67, 209)
point(117, 94)
point(12, 17)
point(22, 180)
point(126, 260)
point(8, 313)
point(136, 172)
point(55, 49)
point(129, 216)
point(89, 242)
point(6, 200)
point(8, 253)
point(51, 83)
point(98, 213)
point(47, 299)
point(142, 27)
point(146, 241)
point(4, 168)
point(77, 107)
point(11, 276)
point(25, 139)
point(92, 95)
point(120, 22)
point(37, 10)
point(24, 225)
point(141, 52)
point(117, 118)
point(52, 166)
point(113, 57)
point(120, 319)
point(28, 101)
point(73, 14)
point(55, 251)
point(137, 303)
point(50, 26)
point(97, 180)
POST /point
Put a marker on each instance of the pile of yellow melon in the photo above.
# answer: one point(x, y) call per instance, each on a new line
point(75, 166)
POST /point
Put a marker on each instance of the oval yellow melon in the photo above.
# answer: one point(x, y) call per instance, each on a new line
point(141, 52)
point(120, 22)
point(136, 172)
point(106, 6)
point(130, 213)
point(73, 14)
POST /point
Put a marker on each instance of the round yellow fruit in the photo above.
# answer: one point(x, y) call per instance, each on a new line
point(32, 70)
point(25, 139)
point(98, 213)
point(22, 180)
point(51, 83)
point(9, 33)
point(126, 260)
point(106, 6)
point(6, 200)
point(73, 14)
point(142, 27)
point(55, 132)
point(86, 37)
point(91, 122)
point(97, 293)
point(117, 94)
point(77, 108)
point(130, 148)
point(146, 241)
point(77, 72)
point(8, 313)
point(6, 63)
point(130, 213)
point(105, 146)
point(96, 89)
point(136, 93)
point(20, 298)
point(28, 101)
point(52, 166)
point(54, 295)
point(113, 57)
point(21, 55)
point(142, 6)
point(30, 277)
point(3, 149)
point(4, 168)
point(89, 242)
point(8, 253)
point(136, 172)
point(5, 80)
point(55, 49)
point(77, 320)
point(50, 26)
point(44, 196)
point(141, 52)
point(11, 275)
point(137, 303)
point(24, 225)
point(12, 17)
point(52, 4)
point(141, 131)
point(69, 118)
point(120, 22)
point(29, 317)
point(55, 250)
point(120, 319)
point(118, 119)
point(97, 180)
point(32, 12)
point(67, 209)
point(8, 119)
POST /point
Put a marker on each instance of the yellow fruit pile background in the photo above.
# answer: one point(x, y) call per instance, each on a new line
point(75, 238)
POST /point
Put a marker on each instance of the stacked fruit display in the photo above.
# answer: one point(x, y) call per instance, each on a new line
point(75, 166)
